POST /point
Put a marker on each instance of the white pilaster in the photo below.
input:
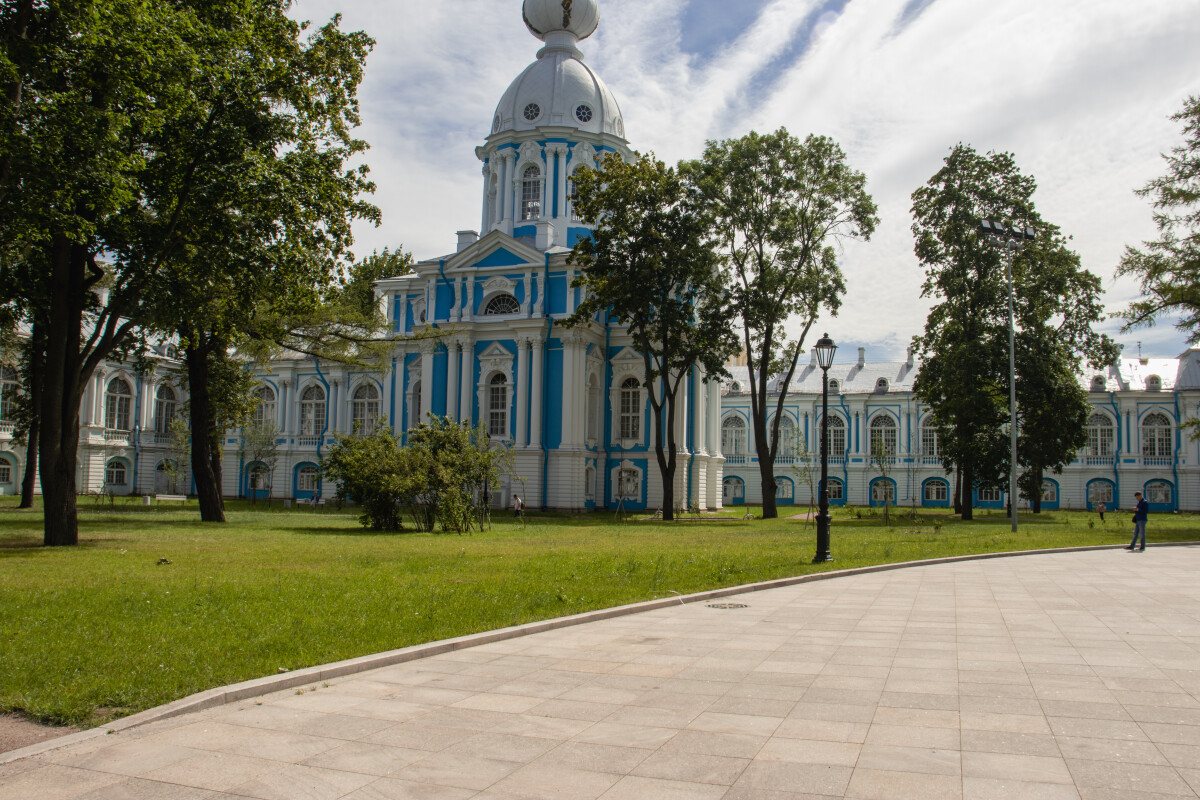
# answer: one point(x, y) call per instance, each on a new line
point(452, 370)
point(505, 188)
point(535, 394)
point(700, 413)
point(522, 391)
point(426, 378)
point(467, 368)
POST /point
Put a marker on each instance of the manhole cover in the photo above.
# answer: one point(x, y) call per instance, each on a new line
point(728, 605)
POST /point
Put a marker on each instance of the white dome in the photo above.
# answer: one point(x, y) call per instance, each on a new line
point(559, 90)
point(579, 17)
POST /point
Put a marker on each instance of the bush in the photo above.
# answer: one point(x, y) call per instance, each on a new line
point(373, 472)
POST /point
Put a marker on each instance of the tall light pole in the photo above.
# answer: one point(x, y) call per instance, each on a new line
point(1012, 239)
point(825, 349)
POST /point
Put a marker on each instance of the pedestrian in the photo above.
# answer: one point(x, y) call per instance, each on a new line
point(1140, 512)
point(517, 505)
point(1101, 509)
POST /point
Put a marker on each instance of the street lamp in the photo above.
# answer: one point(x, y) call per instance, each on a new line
point(1012, 239)
point(825, 349)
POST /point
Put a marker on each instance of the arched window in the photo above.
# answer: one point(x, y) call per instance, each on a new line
point(1158, 492)
point(164, 409)
point(10, 385)
point(1100, 435)
point(733, 490)
point(1049, 491)
point(264, 411)
point(837, 436)
point(1154, 384)
point(502, 304)
point(1098, 383)
point(989, 494)
point(116, 474)
point(1156, 436)
point(415, 417)
point(498, 407)
point(1100, 491)
point(365, 411)
point(733, 438)
point(631, 409)
point(836, 490)
point(834, 386)
point(589, 484)
point(572, 214)
point(312, 411)
point(307, 478)
point(936, 491)
point(786, 452)
point(881, 385)
point(531, 193)
point(116, 405)
point(784, 489)
point(260, 478)
point(883, 491)
point(629, 484)
point(883, 436)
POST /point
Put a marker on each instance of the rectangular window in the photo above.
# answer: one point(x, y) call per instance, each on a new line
point(936, 492)
point(5, 472)
point(835, 490)
point(837, 442)
point(631, 416)
point(1101, 492)
point(883, 492)
point(929, 443)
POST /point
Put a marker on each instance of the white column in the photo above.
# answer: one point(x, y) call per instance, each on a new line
point(98, 397)
point(506, 186)
point(335, 399)
point(452, 379)
point(700, 413)
point(681, 413)
point(289, 413)
point(464, 385)
point(714, 418)
point(426, 378)
point(522, 389)
point(484, 223)
point(562, 184)
point(535, 395)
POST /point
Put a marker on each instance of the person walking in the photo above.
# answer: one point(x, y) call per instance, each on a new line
point(1100, 507)
point(517, 505)
point(1140, 512)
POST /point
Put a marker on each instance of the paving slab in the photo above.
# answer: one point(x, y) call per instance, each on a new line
point(1057, 675)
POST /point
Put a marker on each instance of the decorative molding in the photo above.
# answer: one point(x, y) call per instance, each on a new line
point(498, 284)
point(418, 308)
point(584, 154)
point(532, 153)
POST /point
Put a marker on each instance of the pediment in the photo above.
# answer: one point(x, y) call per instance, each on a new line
point(496, 249)
point(496, 350)
point(627, 355)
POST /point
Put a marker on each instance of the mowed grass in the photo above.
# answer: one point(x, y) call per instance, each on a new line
point(104, 629)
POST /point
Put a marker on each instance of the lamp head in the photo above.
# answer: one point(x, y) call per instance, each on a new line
point(825, 349)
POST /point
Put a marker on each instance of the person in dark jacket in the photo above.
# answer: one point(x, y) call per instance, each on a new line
point(1140, 512)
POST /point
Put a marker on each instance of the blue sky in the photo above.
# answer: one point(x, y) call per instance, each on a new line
point(1079, 90)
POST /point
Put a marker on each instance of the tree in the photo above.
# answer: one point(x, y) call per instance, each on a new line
point(780, 206)
point(1169, 266)
point(651, 265)
point(964, 370)
point(260, 445)
point(374, 472)
point(179, 451)
point(148, 134)
point(883, 458)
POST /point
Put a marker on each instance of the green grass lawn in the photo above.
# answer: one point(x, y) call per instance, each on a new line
point(104, 629)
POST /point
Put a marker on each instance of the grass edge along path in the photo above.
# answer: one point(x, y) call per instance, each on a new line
point(153, 607)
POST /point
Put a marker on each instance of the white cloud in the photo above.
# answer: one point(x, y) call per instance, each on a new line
point(1078, 90)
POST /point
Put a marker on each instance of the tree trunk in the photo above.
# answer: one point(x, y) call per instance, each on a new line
point(666, 465)
point(766, 465)
point(200, 404)
point(1036, 500)
point(33, 373)
point(966, 479)
point(58, 439)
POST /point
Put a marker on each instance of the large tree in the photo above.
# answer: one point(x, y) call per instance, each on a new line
point(650, 264)
point(964, 372)
point(780, 206)
point(1169, 266)
point(141, 141)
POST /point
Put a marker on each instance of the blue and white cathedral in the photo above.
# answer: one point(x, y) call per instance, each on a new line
point(478, 336)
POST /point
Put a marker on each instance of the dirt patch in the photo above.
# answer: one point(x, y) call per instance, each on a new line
point(17, 732)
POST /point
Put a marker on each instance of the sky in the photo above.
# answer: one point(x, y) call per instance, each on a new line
point(1080, 91)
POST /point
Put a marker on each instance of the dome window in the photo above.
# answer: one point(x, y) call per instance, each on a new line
point(496, 124)
point(532, 111)
point(583, 114)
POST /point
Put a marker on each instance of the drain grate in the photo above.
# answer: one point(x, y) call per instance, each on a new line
point(728, 605)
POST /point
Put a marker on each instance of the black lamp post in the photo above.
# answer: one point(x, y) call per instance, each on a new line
point(1012, 239)
point(825, 349)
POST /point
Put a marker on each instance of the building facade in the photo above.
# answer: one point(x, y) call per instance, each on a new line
point(478, 335)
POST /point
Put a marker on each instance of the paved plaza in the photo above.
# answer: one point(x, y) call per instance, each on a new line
point(1069, 675)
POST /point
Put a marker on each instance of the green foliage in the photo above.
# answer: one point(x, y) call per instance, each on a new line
point(964, 370)
point(438, 478)
point(650, 263)
point(374, 472)
point(779, 207)
point(358, 290)
point(1169, 266)
point(180, 454)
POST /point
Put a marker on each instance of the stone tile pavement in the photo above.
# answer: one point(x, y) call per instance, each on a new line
point(1044, 677)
